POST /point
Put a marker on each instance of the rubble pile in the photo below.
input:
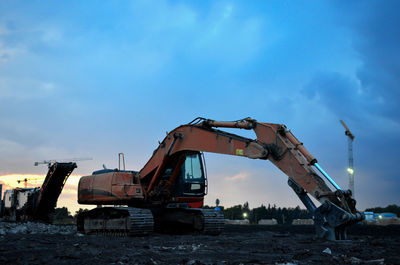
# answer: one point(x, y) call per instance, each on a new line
point(35, 228)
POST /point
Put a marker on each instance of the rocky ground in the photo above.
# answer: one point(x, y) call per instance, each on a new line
point(50, 244)
point(31, 228)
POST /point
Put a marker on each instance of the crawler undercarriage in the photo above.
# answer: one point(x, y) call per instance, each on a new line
point(130, 221)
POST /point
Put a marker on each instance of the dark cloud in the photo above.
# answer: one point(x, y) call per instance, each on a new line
point(374, 89)
point(378, 45)
point(375, 27)
point(336, 92)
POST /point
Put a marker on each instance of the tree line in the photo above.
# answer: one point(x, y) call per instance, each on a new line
point(282, 215)
point(393, 208)
point(240, 212)
point(62, 213)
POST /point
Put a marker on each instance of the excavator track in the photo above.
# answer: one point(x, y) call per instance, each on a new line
point(117, 221)
point(213, 222)
point(189, 220)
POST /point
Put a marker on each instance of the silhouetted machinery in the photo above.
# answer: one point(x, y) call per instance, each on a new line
point(30, 204)
point(168, 192)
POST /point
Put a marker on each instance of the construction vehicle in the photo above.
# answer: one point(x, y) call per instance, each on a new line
point(168, 192)
point(37, 204)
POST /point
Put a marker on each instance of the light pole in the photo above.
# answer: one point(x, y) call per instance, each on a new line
point(245, 215)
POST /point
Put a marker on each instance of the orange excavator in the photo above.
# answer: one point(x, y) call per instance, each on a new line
point(168, 192)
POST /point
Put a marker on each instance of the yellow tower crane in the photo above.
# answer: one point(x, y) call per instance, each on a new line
point(25, 180)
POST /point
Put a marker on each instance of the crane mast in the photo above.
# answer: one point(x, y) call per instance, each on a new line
point(350, 169)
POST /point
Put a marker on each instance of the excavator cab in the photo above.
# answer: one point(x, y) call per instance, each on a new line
point(192, 180)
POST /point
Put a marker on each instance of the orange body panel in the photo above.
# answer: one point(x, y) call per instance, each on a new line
point(109, 188)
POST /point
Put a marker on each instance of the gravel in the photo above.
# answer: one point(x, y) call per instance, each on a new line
point(36, 243)
point(35, 228)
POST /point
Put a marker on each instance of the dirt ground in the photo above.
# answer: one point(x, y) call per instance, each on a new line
point(236, 245)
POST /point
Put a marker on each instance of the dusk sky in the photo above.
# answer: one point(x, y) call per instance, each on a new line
point(95, 78)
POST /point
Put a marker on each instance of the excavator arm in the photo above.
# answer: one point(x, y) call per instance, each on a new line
point(273, 142)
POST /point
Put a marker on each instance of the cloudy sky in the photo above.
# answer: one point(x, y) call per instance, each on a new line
point(91, 79)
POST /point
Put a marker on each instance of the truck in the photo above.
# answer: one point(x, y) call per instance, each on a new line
point(167, 194)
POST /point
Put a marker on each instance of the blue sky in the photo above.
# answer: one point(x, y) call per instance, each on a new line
point(93, 79)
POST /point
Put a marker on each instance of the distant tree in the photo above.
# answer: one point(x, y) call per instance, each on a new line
point(234, 213)
point(258, 213)
point(282, 215)
point(393, 208)
point(80, 211)
point(61, 213)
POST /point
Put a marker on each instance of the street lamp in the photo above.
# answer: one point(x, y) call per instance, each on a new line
point(244, 215)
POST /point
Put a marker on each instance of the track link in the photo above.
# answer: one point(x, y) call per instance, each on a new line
point(141, 221)
point(213, 222)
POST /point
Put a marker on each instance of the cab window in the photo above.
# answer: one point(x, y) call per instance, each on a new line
point(192, 168)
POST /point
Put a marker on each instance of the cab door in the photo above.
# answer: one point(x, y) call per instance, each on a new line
point(192, 179)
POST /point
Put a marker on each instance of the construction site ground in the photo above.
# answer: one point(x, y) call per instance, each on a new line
point(238, 244)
